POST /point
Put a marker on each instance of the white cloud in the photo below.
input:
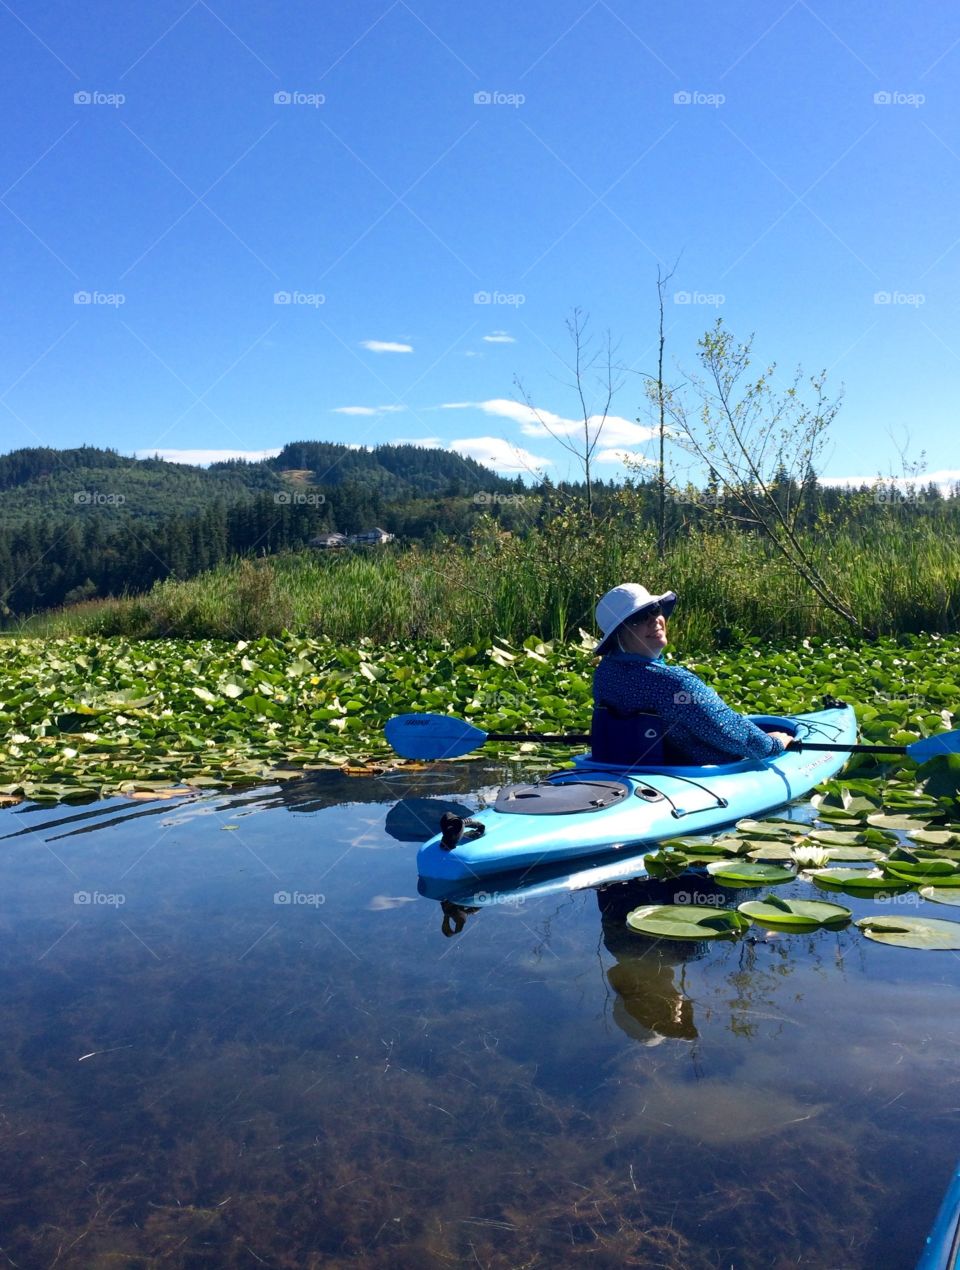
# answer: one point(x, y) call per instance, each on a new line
point(385, 346)
point(615, 432)
point(367, 410)
point(425, 443)
point(457, 405)
point(497, 453)
point(499, 337)
point(946, 478)
point(202, 458)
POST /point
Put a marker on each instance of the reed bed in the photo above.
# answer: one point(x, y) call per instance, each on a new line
point(734, 587)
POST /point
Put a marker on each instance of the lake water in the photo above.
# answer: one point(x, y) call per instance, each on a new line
point(235, 1035)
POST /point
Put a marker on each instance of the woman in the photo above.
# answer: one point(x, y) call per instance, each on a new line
point(698, 726)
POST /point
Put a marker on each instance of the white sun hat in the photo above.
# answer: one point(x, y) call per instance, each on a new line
point(624, 602)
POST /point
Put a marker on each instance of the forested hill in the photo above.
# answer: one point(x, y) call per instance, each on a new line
point(75, 524)
point(84, 481)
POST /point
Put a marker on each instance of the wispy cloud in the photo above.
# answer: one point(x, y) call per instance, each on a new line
point(385, 346)
point(425, 443)
point(498, 453)
point(499, 337)
point(367, 410)
point(203, 458)
point(615, 431)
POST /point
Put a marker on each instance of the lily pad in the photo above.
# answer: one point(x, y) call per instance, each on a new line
point(800, 915)
point(934, 837)
point(679, 921)
point(784, 851)
point(941, 894)
point(928, 933)
point(856, 881)
point(771, 828)
point(749, 873)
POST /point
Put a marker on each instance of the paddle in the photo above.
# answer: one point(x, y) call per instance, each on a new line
point(432, 736)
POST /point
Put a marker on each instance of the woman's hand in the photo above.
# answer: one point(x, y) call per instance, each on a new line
point(783, 737)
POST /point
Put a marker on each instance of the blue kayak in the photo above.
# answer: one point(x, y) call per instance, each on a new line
point(942, 1251)
point(597, 808)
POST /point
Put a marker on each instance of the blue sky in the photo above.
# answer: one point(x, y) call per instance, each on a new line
point(435, 187)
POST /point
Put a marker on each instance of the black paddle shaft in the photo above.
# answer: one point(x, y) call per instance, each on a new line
point(797, 746)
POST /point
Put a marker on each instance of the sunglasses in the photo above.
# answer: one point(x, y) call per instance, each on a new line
point(645, 615)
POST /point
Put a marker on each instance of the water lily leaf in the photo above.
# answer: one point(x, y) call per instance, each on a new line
point(934, 837)
point(794, 914)
point(856, 882)
point(680, 921)
point(928, 933)
point(935, 872)
point(771, 828)
point(749, 873)
point(941, 894)
point(883, 821)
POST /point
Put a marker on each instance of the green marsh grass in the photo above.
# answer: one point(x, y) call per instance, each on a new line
point(733, 586)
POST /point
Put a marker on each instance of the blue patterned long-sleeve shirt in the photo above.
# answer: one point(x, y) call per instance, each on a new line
point(699, 726)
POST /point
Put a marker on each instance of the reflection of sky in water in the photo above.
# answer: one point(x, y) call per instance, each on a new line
point(201, 1074)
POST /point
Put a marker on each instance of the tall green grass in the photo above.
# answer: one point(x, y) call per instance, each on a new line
point(732, 586)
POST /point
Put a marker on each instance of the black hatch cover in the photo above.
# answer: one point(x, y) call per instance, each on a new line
point(560, 799)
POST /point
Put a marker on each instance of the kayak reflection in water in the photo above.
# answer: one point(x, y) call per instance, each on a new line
point(693, 724)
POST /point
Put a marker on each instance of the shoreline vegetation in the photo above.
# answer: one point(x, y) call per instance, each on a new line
point(901, 577)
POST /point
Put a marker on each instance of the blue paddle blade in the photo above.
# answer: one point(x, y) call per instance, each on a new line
point(931, 746)
point(429, 736)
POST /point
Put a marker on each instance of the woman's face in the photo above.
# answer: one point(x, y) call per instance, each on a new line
point(646, 633)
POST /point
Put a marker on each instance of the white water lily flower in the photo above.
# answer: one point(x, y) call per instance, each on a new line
point(810, 857)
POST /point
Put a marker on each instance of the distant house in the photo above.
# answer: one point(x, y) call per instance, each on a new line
point(376, 537)
point(369, 538)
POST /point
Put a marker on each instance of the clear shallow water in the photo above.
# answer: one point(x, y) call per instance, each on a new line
point(256, 1045)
